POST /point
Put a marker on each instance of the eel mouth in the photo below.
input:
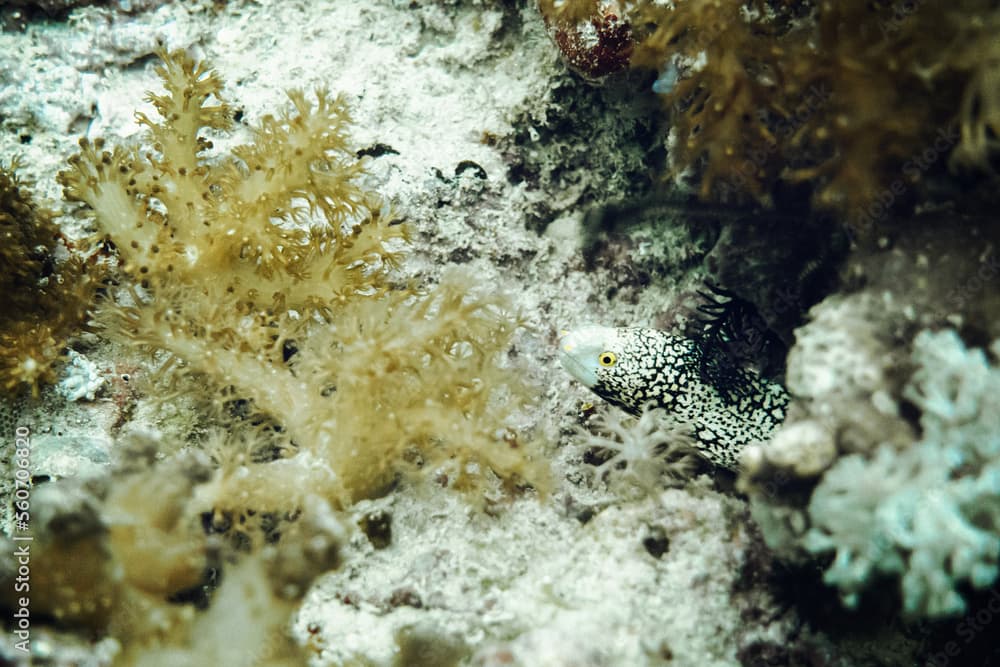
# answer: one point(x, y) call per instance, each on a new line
point(572, 364)
point(576, 369)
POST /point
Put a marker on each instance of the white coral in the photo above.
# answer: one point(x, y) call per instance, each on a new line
point(82, 379)
point(929, 513)
point(645, 451)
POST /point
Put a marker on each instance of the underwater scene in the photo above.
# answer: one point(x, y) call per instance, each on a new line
point(500, 333)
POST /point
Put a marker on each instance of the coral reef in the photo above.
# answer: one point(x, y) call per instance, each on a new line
point(931, 513)
point(262, 284)
point(557, 171)
point(861, 102)
point(883, 380)
point(46, 291)
point(118, 556)
point(276, 264)
point(300, 396)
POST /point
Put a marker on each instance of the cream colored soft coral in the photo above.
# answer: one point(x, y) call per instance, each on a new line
point(644, 450)
point(265, 275)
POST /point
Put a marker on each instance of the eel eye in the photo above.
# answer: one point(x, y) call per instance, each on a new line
point(607, 359)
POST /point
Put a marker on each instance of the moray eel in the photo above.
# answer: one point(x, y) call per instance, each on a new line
point(727, 406)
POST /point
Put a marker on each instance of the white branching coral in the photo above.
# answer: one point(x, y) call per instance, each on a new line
point(931, 512)
point(645, 452)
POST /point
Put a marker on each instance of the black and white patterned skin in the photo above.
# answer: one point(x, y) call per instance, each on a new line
point(725, 410)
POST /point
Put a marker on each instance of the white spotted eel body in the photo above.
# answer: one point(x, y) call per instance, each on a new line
point(727, 407)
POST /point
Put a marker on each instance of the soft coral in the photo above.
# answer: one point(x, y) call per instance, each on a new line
point(268, 278)
point(643, 451)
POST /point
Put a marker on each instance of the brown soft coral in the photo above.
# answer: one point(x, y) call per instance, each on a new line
point(43, 297)
point(858, 100)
